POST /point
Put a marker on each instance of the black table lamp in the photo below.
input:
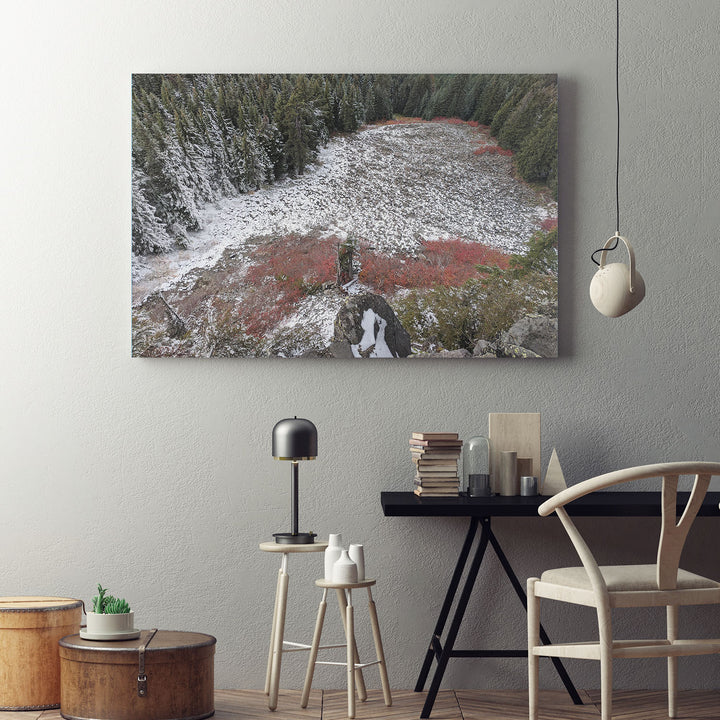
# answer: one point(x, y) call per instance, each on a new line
point(294, 439)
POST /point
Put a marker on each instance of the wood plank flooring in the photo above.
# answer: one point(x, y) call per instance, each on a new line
point(450, 705)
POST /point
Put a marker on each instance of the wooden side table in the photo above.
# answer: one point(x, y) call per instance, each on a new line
point(162, 674)
point(30, 628)
point(277, 641)
point(352, 664)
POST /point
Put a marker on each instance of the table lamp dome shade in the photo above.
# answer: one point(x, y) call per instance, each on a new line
point(294, 439)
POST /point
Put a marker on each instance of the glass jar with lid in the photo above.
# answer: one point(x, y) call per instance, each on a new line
point(476, 466)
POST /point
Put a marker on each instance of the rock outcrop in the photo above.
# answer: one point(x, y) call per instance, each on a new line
point(484, 349)
point(534, 336)
point(370, 328)
point(536, 333)
point(515, 351)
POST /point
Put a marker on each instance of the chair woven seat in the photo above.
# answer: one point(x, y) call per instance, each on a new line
point(620, 578)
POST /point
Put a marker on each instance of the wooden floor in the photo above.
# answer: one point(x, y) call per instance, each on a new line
point(450, 705)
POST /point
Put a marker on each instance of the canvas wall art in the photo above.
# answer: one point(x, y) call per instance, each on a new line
point(344, 216)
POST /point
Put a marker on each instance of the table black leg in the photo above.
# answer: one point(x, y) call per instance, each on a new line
point(447, 604)
point(517, 585)
point(447, 648)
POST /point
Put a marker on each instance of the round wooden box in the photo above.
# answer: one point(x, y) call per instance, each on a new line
point(30, 628)
point(100, 679)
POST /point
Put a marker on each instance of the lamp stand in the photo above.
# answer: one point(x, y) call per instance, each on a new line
point(294, 537)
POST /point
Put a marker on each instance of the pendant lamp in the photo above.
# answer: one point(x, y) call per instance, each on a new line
point(616, 288)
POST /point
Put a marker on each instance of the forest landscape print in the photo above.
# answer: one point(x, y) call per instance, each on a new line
point(344, 216)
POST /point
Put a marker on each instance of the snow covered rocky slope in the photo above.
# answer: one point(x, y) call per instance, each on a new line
point(389, 187)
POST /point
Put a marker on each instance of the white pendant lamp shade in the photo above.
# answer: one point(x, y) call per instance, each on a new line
point(616, 288)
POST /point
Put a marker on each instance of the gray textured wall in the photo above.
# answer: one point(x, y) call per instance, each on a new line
point(155, 477)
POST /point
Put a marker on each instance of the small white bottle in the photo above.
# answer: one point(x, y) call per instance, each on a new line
point(344, 569)
point(332, 553)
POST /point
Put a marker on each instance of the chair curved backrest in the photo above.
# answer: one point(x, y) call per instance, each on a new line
point(673, 533)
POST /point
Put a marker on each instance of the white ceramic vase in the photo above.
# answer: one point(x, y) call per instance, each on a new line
point(356, 553)
point(332, 553)
point(344, 569)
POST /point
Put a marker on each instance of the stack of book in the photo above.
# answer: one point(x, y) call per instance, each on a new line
point(435, 455)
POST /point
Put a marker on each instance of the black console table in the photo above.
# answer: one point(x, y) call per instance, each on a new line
point(480, 511)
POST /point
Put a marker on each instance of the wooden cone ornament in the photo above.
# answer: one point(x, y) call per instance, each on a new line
point(554, 479)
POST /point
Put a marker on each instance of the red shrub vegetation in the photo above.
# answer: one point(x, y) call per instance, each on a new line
point(449, 121)
point(492, 150)
point(489, 145)
point(441, 262)
point(282, 273)
point(266, 306)
point(455, 121)
point(549, 224)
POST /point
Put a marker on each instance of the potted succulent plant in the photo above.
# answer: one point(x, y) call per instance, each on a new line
point(111, 618)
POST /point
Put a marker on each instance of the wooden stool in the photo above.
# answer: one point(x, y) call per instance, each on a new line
point(277, 632)
point(352, 663)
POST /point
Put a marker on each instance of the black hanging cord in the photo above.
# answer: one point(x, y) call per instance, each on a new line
point(617, 142)
point(617, 107)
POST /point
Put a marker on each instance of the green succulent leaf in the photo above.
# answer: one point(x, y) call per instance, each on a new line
point(116, 606)
point(99, 600)
point(107, 604)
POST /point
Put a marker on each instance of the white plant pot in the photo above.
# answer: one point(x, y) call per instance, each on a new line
point(110, 624)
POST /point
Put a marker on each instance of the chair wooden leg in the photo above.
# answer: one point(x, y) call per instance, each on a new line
point(606, 687)
point(350, 639)
point(672, 635)
point(533, 620)
point(359, 679)
point(278, 641)
point(379, 652)
point(314, 650)
point(606, 662)
point(272, 634)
